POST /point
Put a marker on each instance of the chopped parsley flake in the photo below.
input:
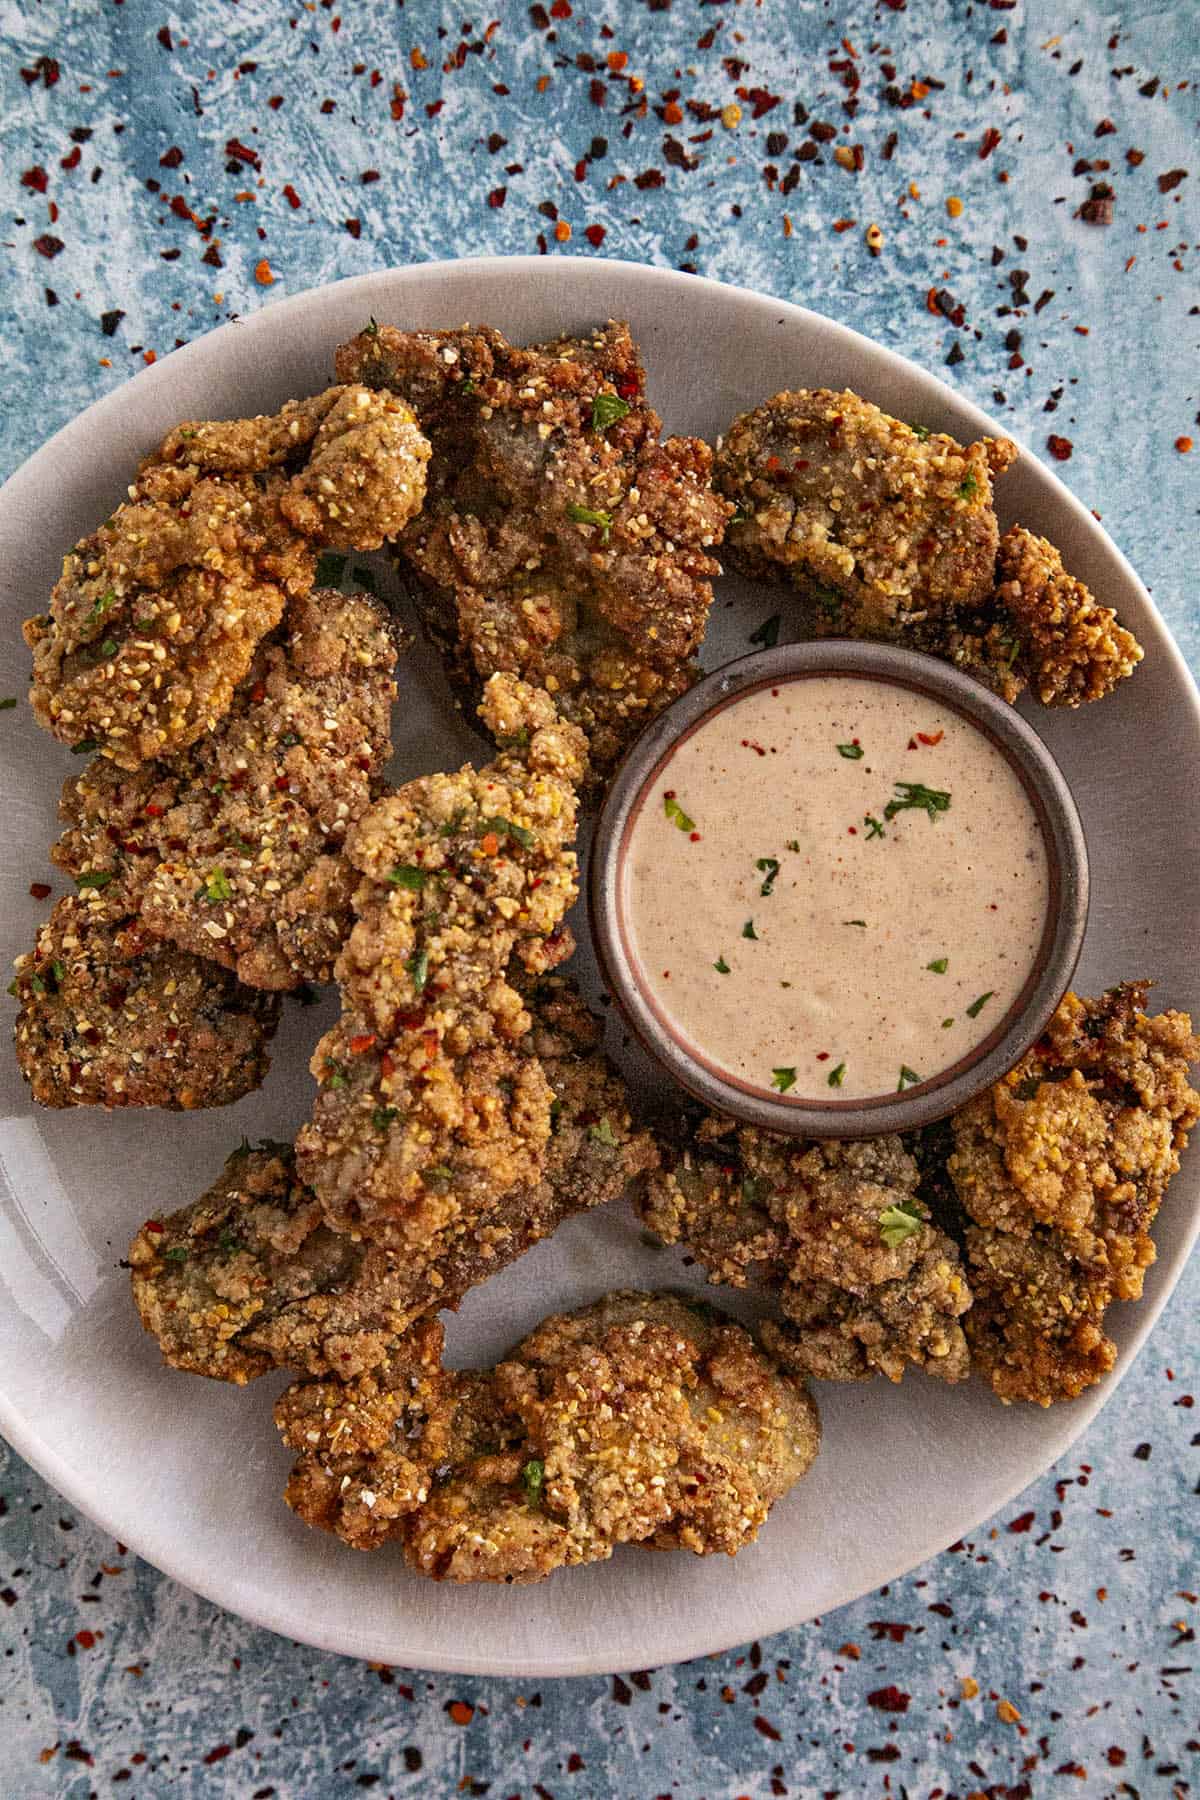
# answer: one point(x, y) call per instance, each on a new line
point(85, 746)
point(176, 1254)
point(520, 834)
point(1028, 1089)
point(533, 1474)
point(968, 487)
point(851, 752)
point(753, 1190)
point(922, 433)
point(590, 515)
point(908, 1078)
point(874, 828)
point(335, 1074)
point(768, 867)
point(861, 922)
point(793, 844)
point(828, 599)
point(783, 1079)
point(217, 886)
point(748, 930)
point(676, 814)
point(382, 1117)
point(407, 875)
point(898, 1223)
point(603, 1133)
point(418, 968)
point(371, 328)
point(768, 632)
point(607, 409)
point(94, 878)
point(914, 794)
point(939, 965)
point(721, 966)
point(836, 1076)
point(100, 607)
point(437, 1174)
point(946, 1024)
point(229, 1242)
point(977, 1006)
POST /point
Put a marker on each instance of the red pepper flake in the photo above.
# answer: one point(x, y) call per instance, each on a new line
point(239, 152)
point(262, 273)
point(291, 196)
point(40, 890)
point(1105, 128)
point(765, 1729)
point(694, 837)
point(354, 227)
point(822, 1056)
point(219, 1754)
point(925, 737)
point(890, 1699)
point(595, 235)
point(86, 1640)
point(560, 10)
point(853, 830)
point(461, 1711)
point(71, 161)
point(153, 1225)
point(1183, 445)
point(1022, 1522)
point(988, 142)
point(497, 197)
point(46, 67)
point(362, 1043)
point(1060, 448)
point(840, 225)
point(48, 246)
point(1171, 179)
point(35, 178)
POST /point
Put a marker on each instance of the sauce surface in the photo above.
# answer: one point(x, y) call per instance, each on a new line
point(835, 888)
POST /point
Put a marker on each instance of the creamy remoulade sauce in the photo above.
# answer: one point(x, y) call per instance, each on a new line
point(835, 888)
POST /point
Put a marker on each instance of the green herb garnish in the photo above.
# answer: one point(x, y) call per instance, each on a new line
point(418, 969)
point(851, 752)
point(793, 844)
point(520, 834)
point(335, 1073)
point(753, 1190)
point(783, 1079)
point(603, 1133)
point(836, 1076)
point(946, 1024)
point(85, 746)
point(676, 814)
point(100, 607)
point(908, 1078)
point(95, 878)
point(721, 966)
point(828, 599)
point(533, 1474)
point(382, 1117)
point(407, 875)
point(229, 1242)
point(590, 515)
point(874, 828)
point(748, 930)
point(898, 1223)
point(606, 410)
point(217, 886)
point(922, 432)
point(977, 1006)
point(861, 922)
point(768, 866)
point(916, 795)
point(768, 632)
point(939, 966)
point(177, 1254)
point(437, 1175)
point(371, 328)
point(969, 487)
point(1028, 1089)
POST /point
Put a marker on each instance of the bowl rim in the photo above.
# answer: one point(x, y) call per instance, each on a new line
point(1013, 1034)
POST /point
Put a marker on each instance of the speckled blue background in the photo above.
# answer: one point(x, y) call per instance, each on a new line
point(165, 169)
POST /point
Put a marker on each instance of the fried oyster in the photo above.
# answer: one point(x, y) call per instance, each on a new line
point(250, 1278)
point(643, 1418)
point(232, 849)
point(108, 1016)
point(430, 1107)
point(864, 1281)
point(1060, 1169)
point(892, 531)
point(158, 612)
point(562, 541)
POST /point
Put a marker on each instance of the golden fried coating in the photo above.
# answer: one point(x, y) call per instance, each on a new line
point(895, 525)
point(111, 1017)
point(642, 1418)
point(836, 1232)
point(232, 849)
point(158, 613)
point(1070, 648)
point(430, 1107)
point(891, 530)
point(562, 541)
point(250, 1278)
point(1060, 1169)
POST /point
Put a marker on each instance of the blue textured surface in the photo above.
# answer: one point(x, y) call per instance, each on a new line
point(152, 160)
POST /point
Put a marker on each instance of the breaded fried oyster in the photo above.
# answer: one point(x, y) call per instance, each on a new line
point(108, 1016)
point(250, 1278)
point(232, 849)
point(562, 541)
point(892, 531)
point(835, 1231)
point(430, 1107)
point(158, 612)
point(643, 1418)
point(1060, 1169)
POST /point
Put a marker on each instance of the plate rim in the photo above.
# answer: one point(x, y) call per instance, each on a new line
point(705, 1637)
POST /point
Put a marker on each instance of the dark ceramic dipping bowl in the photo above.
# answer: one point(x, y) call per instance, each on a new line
point(1013, 1034)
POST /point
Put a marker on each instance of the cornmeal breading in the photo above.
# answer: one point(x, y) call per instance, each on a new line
point(250, 1278)
point(835, 1231)
point(158, 613)
point(643, 1418)
point(562, 541)
point(232, 849)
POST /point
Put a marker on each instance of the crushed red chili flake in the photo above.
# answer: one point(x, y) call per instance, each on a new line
point(1060, 448)
point(990, 139)
point(48, 245)
point(890, 1699)
point(35, 178)
point(40, 890)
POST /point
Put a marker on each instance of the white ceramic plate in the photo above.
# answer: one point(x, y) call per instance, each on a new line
point(189, 1472)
